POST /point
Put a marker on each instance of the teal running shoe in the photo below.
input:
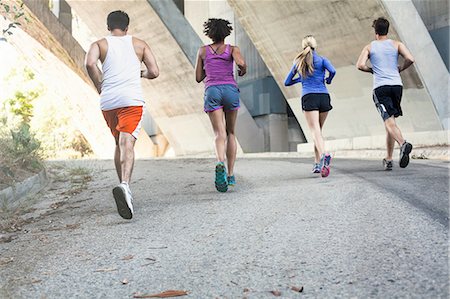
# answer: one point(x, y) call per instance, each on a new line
point(231, 181)
point(221, 177)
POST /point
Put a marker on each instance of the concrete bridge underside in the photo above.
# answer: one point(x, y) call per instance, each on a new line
point(342, 29)
point(174, 99)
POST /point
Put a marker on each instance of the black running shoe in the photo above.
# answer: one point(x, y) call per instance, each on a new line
point(405, 150)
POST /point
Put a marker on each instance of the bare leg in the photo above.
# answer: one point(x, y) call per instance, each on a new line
point(312, 118)
point(117, 163)
point(393, 130)
point(390, 143)
point(126, 145)
point(230, 118)
point(217, 121)
point(322, 118)
point(316, 155)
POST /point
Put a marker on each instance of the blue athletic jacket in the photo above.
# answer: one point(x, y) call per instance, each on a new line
point(314, 83)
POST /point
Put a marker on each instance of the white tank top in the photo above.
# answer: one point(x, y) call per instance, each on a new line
point(121, 85)
point(384, 60)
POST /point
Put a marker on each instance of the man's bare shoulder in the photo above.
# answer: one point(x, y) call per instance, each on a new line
point(139, 42)
point(101, 43)
point(396, 42)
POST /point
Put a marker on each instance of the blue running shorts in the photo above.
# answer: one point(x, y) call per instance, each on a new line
point(224, 96)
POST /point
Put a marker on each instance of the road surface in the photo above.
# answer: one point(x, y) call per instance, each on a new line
point(360, 233)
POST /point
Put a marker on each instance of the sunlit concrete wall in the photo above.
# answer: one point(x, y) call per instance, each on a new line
point(342, 29)
point(77, 99)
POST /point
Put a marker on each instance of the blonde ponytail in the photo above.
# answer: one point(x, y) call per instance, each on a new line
point(304, 60)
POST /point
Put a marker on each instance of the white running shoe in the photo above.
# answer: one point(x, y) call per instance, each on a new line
point(124, 200)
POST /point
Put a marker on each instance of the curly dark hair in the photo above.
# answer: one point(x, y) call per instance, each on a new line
point(381, 26)
point(217, 29)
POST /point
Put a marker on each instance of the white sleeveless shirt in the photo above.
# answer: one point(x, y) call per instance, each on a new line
point(121, 85)
point(384, 60)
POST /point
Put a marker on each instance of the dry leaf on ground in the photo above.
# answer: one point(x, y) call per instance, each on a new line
point(297, 289)
point(128, 257)
point(73, 226)
point(276, 293)
point(6, 260)
point(165, 294)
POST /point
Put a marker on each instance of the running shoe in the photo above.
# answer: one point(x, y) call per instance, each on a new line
point(124, 200)
point(388, 164)
point(221, 177)
point(231, 181)
point(325, 163)
point(316, 168)
point(405, 150)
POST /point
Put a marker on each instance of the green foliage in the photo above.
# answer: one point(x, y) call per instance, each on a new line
point(25, 148)
point(14, 13)
point(19, 147)
point(21, 105)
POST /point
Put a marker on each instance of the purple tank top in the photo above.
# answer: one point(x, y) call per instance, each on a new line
point(218, 67)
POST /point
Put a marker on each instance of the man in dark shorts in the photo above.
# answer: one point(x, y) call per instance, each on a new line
point(387, 86)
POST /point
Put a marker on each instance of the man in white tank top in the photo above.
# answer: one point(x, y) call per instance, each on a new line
point(387, 86)
point(121, 98)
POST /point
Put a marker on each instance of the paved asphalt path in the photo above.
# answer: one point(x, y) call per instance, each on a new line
point(360, 233)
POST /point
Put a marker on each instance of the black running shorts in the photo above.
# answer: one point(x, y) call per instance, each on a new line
point(387, 99)
point(316, 101)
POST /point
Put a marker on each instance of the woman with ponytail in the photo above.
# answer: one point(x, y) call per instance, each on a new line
point(310, 70)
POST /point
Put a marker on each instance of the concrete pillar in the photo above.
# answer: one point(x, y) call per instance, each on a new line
point(65, 15)
point(431, 67)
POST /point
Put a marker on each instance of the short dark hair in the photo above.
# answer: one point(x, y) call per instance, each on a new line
point(217, 29)
point(381, 26)
point(118, 20)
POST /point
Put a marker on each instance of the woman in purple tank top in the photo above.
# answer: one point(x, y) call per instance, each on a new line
point(221, 101)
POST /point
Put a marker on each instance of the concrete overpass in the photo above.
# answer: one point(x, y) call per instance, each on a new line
point(270, 33)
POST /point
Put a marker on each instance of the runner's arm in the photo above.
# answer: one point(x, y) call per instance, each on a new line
point(199, 71)
point(149, 60)
point(92, 57)
point(362, 60)
point(290, 77)
point(409, 59)
point(331, 70)
point(240, 62)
